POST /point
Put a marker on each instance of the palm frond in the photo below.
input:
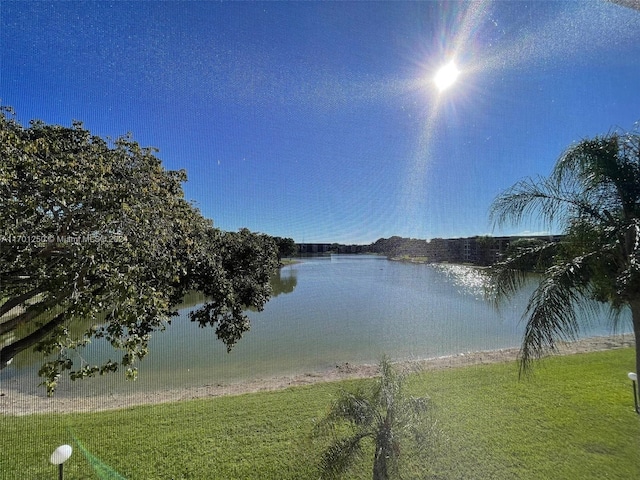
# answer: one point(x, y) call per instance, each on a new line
point(340, 456)
point(509, 275)
point(590, 161)
point(530, 197)
point(552, 309)
point(354, 408)
point(605, 171)
point(389, 385)
point(628, 278)
point(593, 178)
point(413, 415)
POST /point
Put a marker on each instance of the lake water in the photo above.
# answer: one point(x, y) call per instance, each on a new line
point(327, 311)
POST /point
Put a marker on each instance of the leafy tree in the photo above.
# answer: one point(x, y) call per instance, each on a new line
point(381, 412)
point(286, 247)
point(99, 230)
point(485, 246)
point(521, 245)
point(593, 195)
point(399, 246)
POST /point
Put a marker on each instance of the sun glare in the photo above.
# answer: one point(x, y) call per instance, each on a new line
point(446, 76)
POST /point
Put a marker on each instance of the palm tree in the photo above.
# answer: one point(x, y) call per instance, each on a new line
point(382, 413)
point(593, 196)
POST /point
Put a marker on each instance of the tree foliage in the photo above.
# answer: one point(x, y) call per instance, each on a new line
point(286, 247)
point(398, 246)
point(98, 230)
point(593, 196)
point(381, 412)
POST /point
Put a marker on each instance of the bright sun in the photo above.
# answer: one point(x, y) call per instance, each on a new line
point(446, 76)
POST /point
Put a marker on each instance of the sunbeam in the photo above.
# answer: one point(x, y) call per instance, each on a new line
point(417, 178)
point(581, 39)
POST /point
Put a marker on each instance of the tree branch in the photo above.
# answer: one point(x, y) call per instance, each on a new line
point(30, 313)
point(8, 352)
point(20, 299)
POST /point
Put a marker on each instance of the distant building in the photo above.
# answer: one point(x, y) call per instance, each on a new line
point(478, 250)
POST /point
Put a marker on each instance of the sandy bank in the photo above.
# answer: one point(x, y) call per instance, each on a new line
point(13, 402)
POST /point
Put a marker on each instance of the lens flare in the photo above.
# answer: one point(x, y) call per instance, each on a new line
point(446, 76)
point(103, 471)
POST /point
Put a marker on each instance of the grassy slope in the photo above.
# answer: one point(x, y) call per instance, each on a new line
point(573, 419)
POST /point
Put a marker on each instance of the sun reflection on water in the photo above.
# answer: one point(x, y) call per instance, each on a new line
point(468, 280)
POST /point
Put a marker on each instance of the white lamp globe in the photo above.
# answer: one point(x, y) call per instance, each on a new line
point(61, 454)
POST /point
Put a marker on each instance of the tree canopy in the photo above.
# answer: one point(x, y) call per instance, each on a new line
point(593, 196)
point(286, 247)
point(97, 230)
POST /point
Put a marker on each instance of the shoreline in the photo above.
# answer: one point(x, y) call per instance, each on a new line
point(15, 403)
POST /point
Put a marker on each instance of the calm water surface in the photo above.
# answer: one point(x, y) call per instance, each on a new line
point(331, 310)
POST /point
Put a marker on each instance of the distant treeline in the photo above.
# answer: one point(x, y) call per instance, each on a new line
point(478, 250)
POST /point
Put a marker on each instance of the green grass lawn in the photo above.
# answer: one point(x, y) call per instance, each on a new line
point(573, 420)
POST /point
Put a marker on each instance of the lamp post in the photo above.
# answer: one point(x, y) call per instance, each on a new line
point(634, 378)
point(59, 456)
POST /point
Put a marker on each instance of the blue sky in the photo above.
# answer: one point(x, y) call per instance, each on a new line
point(320, 121)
